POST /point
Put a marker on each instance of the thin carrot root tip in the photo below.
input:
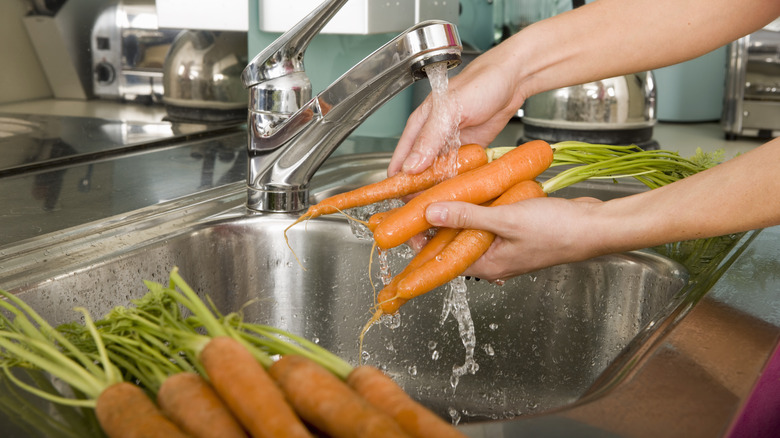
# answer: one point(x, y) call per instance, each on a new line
point(303, 217)
point(373, 320)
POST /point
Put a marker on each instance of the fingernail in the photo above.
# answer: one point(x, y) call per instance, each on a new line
point(412, 161)
point(436, 214)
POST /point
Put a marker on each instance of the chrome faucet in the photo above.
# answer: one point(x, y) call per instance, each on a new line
point(291, 134)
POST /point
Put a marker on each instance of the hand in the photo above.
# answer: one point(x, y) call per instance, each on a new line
point(530, 234)
point(487, 88)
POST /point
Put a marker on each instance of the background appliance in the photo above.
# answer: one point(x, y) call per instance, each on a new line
point(752, 100)
point(202, 77)
point(128, 52)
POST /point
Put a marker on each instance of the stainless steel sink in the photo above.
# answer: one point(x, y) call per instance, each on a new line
point(542, 340)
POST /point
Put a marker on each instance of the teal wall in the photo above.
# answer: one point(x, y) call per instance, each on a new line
point(330, 56)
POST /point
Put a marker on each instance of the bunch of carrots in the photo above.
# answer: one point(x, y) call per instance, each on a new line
point(489, 177)
point(149, 371)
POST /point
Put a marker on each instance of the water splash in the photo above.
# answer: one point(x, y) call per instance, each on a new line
point(456, 304)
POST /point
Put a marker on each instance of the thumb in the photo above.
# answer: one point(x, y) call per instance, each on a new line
point(458, 215)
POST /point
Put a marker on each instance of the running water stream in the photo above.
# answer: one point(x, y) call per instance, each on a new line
point(445, 114)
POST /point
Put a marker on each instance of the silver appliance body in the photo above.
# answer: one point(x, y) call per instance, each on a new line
point(752, 100)
point(128, 52)
point(202, 77)
point(618, 110)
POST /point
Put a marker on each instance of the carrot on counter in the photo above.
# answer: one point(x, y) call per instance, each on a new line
point(249, 391)
point(122, 409)
point(328, 403)
point(373, 387)
point(414, 418)
point(399, 185)
point(125, 411)
point(479, 185)
point(193, 404)
point(237, 373)
point(461, 252)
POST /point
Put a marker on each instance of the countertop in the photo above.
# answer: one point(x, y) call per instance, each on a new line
point(180, 158)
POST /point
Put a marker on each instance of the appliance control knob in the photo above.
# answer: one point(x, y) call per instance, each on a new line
point(105, 73)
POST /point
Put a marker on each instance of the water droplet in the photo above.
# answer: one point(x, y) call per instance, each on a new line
point(455, 415)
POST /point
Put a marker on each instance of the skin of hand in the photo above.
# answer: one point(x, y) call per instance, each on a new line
point(734, 196)
point(602, 39)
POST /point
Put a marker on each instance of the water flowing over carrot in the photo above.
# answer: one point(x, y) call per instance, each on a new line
point(382, 392)
point(399, 185)
point(479, 185)
point(462, 251)
point(327, 403)
point(377, 218)
point(388, 300)
point(190, 402)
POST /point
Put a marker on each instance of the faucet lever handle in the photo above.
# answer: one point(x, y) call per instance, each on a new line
point(285, 55)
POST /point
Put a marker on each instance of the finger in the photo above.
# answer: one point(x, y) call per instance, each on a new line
point(418, 242)
point(440, 129)
point(462, 215)
point(408, 137)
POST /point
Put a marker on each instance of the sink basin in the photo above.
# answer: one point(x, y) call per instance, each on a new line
point(542, 340)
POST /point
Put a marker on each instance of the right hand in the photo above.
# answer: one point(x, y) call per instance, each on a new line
point(530, 234)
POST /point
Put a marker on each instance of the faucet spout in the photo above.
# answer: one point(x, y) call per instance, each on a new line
point(286, 151)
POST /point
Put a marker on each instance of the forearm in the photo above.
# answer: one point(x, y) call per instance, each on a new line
point(613, 37)
point(737, 195)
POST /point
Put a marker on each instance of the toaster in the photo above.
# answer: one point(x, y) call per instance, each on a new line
point(752, 97)
point(128, 52)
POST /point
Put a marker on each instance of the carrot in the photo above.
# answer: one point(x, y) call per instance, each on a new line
point(388, 300)
point(122, 409)
point(377, 218)
point(479, 185)
point(125, 411)
point(190, 402)
point(248, 390)
point(236, 373)
point(462, 251)
point(327, 403)
point(401, 184)
point(382, 392)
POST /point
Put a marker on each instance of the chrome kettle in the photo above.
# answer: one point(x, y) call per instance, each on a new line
point(618, 110)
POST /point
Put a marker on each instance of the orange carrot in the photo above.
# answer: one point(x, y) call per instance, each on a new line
point(462, 251)
point(248, 390)
point(479, 185)
point(388, 301)
point(382, 392)
point(401, 184)
point(377, 218)
point(125, 411)
point(190, 402)
point(327, 403)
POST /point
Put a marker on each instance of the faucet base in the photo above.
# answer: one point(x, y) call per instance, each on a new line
point(277, 200)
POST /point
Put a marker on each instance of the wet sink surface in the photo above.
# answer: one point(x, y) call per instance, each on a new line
point(542, 339)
